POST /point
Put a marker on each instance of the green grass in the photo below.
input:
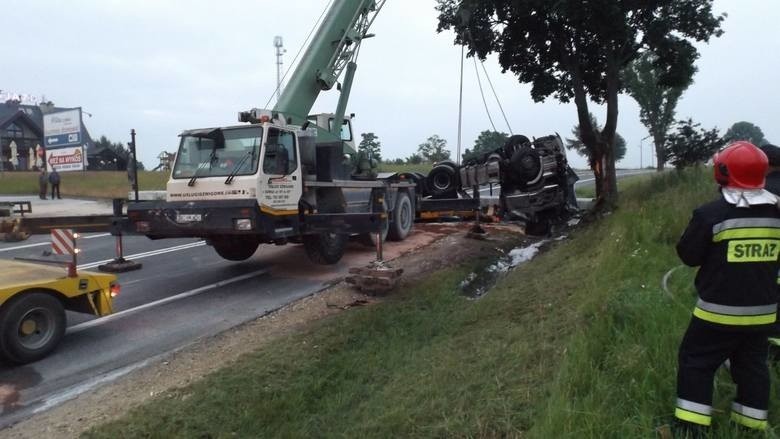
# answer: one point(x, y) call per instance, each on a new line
point(581, 343)
point(92, 184)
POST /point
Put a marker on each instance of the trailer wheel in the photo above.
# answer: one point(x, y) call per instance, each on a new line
point(31, 326)
point(402, 218)
point(325, 248)
point(235, 249)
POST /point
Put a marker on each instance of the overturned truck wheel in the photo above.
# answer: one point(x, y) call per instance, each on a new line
point(325, 248)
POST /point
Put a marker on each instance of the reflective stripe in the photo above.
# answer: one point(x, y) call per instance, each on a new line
point(760, 415)
point(738, 223)
point(734, 320)
point(736, 310)
point(749, 422)
point(749, 233)
point(691, 406)
point(692, 417)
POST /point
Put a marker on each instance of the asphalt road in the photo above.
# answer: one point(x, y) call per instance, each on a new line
point(184, 292)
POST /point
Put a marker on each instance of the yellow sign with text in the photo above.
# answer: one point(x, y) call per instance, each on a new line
point(754, 250)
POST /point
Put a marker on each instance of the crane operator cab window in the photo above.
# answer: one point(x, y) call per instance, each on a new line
point(218, 152)
point(280, 157)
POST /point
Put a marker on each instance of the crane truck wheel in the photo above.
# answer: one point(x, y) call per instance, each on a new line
point(325, 248)
point(235, 248)
point(369, 239)
point(31, 326)
point(402, 218)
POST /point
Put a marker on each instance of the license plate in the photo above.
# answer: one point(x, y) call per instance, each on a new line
point(188, 217)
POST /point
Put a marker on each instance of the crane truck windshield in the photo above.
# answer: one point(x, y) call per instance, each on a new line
point(218, 153)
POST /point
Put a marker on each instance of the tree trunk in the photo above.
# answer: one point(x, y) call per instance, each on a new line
point(659, 141)
point(610, 192)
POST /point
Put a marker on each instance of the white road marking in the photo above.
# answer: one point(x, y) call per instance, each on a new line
point(190, 293)
point(41, 244)
point(146, 254)
point(86, 386)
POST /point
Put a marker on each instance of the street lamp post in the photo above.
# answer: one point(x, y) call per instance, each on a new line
point(641, 151)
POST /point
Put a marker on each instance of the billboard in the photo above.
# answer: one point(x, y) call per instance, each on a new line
point(70, 158)
point(62, 128)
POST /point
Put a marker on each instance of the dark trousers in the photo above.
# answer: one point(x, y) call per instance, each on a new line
point(42, 191)
point(55, 186)
point(705, 348)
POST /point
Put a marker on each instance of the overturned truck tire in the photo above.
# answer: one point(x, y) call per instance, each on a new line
point(442, 181)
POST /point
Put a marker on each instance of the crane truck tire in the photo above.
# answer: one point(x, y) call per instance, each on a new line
point(325, 248)
point(369, 239)
point(235, 248)
point(442, 181)
point(31, 326)
point(402, 218)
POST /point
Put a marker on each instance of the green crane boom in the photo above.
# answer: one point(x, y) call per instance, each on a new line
point(333, 49)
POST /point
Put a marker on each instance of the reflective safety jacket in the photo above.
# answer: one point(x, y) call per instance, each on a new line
point(737, 250)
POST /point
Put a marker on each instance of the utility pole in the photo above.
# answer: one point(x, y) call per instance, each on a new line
point(279, 44)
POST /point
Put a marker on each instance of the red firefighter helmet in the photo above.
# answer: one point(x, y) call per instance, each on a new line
point(741, 165)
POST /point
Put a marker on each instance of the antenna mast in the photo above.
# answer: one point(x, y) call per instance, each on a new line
point(279, 44)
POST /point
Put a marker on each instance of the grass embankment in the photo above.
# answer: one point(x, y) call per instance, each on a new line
point(91, 184)
point(581, 343)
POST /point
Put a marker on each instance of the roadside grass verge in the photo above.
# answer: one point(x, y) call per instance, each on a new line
point(580, 343)
point(90, 184)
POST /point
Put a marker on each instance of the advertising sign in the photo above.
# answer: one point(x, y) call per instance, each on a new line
point(66, 159)
point(62, 128)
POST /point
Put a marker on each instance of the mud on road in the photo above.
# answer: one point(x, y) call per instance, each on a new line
point(438, 246)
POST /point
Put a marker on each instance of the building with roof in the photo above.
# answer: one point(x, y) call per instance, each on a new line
point(21, 134)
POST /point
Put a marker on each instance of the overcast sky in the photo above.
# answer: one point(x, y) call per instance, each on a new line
point(164, 66)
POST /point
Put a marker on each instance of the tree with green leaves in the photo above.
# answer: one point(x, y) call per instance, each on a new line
point(434, 149)
point(576, 50)
point(657, 101)
point(690, 144)
point(112, 156)
point(746, 131)
point(579, 147)
point(371, 146)
point(487, 141)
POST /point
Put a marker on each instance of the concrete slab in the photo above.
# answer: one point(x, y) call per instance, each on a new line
point(63, 207)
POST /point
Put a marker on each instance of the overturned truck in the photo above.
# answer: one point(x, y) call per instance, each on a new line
point(533, 177)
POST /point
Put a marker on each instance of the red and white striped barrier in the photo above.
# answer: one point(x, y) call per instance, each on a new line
point(63, 242)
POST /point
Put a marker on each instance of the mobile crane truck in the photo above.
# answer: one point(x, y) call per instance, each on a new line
point(283, 176)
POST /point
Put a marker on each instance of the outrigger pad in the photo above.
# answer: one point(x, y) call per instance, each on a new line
point(375, 279)
point(120, 266)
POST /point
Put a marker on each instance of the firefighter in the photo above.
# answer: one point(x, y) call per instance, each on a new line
point(735, 242)
point(773, 185)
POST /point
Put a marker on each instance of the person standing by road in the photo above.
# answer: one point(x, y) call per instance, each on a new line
point(42, 184)
point(54, 179)
point(735, 242)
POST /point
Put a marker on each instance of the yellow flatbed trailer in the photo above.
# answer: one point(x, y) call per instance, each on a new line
point(33, 300)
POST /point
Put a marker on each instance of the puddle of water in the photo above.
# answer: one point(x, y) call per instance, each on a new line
point(477, 284)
